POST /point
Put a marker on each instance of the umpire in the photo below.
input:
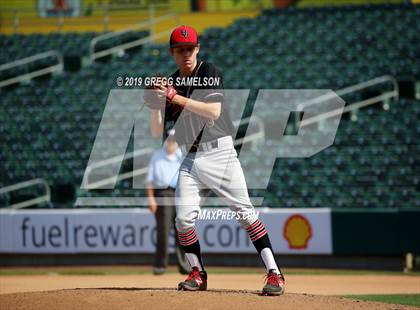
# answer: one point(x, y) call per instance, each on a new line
point(161, 182)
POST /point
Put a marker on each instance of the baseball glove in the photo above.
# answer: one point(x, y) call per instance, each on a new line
point(153, 99)
point(156, 96)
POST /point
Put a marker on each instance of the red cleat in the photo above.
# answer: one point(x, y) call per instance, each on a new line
point(196, 281)
point(275, 284)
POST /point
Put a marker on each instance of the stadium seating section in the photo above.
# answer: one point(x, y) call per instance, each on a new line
point(48, 126)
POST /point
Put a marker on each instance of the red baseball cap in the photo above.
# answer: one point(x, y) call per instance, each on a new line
point(183, 35)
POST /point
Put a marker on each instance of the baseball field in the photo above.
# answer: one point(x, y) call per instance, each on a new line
point(281, 132)
point(129, 287)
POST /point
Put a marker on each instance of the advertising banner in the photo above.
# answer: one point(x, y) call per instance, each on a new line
point(292, 231)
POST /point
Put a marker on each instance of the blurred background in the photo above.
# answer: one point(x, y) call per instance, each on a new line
point(59, 59)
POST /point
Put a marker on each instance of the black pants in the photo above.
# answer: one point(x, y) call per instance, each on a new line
point(165, 220)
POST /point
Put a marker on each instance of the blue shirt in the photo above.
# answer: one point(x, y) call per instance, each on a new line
point(163, 169)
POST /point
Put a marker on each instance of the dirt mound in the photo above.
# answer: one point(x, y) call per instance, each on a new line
point(168, 298)
point(301, 284)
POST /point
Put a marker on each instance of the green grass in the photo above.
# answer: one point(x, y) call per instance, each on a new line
point(401, 299)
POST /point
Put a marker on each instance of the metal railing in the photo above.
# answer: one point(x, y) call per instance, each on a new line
point(112, 160)
point(29, 202)
point(254, 137)
point(29, 75)
point(394, 93)
point(121, 47)
point(92, 54)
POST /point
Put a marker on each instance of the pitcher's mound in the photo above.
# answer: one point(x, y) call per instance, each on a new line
point(165, 298)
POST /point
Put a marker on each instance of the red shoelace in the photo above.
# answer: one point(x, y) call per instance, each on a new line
point(273, 279)
point(194, 273)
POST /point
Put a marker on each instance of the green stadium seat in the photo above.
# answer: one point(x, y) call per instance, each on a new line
point(50, 125)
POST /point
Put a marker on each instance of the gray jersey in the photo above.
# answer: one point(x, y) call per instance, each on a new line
point(189, 126)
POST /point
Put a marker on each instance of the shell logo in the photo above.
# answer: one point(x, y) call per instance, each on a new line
point(297, 231)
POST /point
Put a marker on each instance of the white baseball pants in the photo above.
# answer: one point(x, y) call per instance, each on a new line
point(218, 170)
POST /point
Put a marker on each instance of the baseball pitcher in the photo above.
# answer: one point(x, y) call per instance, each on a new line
point(204, 129)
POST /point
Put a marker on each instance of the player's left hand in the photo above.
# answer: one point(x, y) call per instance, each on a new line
point(153, 99)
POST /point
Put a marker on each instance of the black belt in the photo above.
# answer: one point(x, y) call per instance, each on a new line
point(200, 147)
point(168, 189)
